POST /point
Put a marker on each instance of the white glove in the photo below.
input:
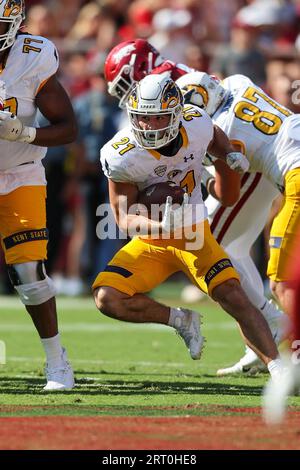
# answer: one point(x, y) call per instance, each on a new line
point(174, 219)
point(237, 161)
point(12, 129)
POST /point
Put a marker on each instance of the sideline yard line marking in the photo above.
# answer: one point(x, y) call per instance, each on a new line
point(99, 362)
point(71, 303)
point(89, 382)
point(96, 327)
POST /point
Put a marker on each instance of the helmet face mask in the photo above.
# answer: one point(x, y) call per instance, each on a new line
point(123, 84)
point(12, 13)
point(159, 98)
point(205, 91)
point(127, 63)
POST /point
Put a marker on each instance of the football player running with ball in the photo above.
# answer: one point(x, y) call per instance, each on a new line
point(235, 221)
point(28, 66)
point(164, 133)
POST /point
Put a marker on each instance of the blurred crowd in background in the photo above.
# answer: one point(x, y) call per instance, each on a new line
point(258, 38)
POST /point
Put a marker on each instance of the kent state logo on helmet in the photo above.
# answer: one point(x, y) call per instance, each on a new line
point(12, 7)
point(171, 96)
point(12, 13)
point(203, 90)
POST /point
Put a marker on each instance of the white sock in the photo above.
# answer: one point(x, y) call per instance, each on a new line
point(53, 350)
point(275, 368)
point(177, 317)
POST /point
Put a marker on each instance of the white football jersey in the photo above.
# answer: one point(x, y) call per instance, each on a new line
point(262, 128)
point(31, 61)
point(124, 161)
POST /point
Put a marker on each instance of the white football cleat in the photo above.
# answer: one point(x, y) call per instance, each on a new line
point(243, 366)
point(189, 330)
point(60, 378)
point(250, 362)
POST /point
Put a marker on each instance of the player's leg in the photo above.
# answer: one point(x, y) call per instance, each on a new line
point(236, 229)
point(276, 394)
point(212, 266)
point(23, 228)
point(253, 286)
point(278, 322)
point(296, 324)
point(282, 239)
point(137, 268)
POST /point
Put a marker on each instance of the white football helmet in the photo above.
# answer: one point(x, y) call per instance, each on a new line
point(12, 13)
point(156, 94)
point(205, 91)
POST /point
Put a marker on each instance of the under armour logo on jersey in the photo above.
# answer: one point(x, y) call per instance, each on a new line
point(191, 157)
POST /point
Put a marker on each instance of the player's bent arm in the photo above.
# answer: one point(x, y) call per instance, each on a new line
point(123, 199)
point(226, 185)
point(54, 103)
point(220, 145)
point(221, 148)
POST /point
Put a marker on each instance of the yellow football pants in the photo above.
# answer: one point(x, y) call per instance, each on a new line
point(23, 224)
point(284, 229)
point(142, 265)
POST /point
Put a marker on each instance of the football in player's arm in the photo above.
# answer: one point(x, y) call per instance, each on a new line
point(219, 147)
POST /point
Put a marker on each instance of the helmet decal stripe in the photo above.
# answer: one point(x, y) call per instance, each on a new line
point(12, 8)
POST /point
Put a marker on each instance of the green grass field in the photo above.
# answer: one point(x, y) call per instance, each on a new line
point(121, 368)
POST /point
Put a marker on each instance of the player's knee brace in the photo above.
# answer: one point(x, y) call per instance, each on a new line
point(31, 282)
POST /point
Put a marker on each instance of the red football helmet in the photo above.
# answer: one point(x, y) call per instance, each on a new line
point(126, 64)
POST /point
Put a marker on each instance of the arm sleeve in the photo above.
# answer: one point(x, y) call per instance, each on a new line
point(48, 63)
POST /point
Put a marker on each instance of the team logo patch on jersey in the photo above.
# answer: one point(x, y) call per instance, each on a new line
point(160, 170)
point(12, 8)
point(217, 268)
point(275, 242)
